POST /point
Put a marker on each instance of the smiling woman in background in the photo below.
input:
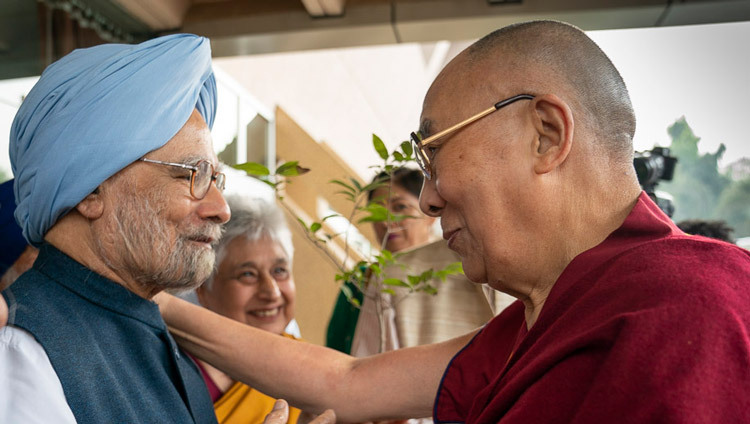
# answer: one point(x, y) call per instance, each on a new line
point(252, 284)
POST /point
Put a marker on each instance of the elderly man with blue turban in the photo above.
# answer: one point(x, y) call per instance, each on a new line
point(116, 183)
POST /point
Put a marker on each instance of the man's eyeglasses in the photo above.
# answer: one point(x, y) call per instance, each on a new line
point(201, 176)
point(419, 144)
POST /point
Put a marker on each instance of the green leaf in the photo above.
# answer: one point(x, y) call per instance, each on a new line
point(453, 268)
point(381, 182)
point(379, 147)
point(350, 295)
point(398, 156)
point(413, 279)
point(333, 215)
point(272, 184)
point(347, 195)
point(407, 148)
point(395, 282)
point(399, 217)
point(376, 269)
point(315, 226)
point(387, 255)
point(291, 169)
point(377, 213)
point(252, 168)
point(356, 184)
point(345, 185)
point(389, 291)
point(428, 289)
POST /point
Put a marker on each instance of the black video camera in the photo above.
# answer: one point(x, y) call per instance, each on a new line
point(651, 167)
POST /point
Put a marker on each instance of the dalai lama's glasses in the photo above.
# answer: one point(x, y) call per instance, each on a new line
point(419, 143)
point(201, 176)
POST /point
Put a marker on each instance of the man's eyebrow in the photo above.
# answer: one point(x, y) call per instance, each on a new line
point(194, 159)
point(189, 160)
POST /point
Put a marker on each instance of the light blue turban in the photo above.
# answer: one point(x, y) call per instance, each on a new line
point(97, 110)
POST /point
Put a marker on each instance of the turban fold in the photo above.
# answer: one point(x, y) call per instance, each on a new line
point(97, 110)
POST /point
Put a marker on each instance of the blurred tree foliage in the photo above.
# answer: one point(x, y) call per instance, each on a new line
point(734, 207)
point(700, 189)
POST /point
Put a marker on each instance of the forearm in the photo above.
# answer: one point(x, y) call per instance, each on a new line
point(398, 384)
point(279, 367)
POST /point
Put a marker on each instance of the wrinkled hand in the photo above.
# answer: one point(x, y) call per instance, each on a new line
point(280, 415)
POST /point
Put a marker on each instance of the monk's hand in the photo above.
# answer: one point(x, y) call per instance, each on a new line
point(162, 299)
point(280, 415)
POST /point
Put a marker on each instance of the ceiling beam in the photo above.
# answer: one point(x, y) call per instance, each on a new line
point(371, 22)
point(322, 8)
point(161, 15)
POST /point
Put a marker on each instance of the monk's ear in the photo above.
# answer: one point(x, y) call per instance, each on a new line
point(553, 121)
point(92, 206)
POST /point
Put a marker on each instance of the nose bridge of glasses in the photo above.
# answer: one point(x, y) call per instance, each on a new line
point(219, 180)
point(213, 175)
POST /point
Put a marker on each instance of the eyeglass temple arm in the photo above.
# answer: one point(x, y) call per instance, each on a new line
point(180, 165)
point(459, 125)
point(481, 114)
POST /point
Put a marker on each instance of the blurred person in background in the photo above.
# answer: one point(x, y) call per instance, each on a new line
point(401, 196)
point(16, 255)
point(715, 229)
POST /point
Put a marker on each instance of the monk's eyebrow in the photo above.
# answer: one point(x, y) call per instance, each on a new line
point(424, 128)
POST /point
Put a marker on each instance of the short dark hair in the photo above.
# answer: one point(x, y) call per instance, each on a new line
point(717, 229)
point(406, 178)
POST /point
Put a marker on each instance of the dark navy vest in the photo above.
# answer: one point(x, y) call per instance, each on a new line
point(110, 348)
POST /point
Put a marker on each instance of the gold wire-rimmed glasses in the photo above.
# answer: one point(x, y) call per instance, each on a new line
point(419, 143)
point(201, 176)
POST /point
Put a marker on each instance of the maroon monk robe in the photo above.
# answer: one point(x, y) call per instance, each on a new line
point(649, 326)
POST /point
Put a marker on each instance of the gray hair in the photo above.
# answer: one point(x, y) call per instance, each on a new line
point(253, 219)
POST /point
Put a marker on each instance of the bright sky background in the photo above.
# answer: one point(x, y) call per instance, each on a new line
point(701, 72)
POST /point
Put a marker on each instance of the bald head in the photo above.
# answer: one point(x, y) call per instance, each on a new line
point(549, 175)
point(543, 57)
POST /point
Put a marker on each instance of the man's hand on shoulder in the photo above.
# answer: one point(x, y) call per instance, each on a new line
point(280, 415)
